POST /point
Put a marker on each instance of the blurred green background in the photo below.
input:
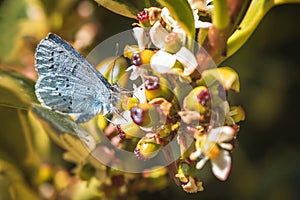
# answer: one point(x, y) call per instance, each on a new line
point(266, 161)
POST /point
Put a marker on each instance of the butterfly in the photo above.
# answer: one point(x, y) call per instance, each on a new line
point(68, 83)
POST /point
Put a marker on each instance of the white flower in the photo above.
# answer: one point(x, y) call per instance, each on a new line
point(199, 23)
point(215, 147)
point(187, 59)
point(137, 71)
point(166, 16)
point(176, 28)
point(157, 34)
point(163, 61)
point(203, 5)
point(142, 37)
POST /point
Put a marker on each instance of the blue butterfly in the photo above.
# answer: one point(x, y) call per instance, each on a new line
point(68, 83)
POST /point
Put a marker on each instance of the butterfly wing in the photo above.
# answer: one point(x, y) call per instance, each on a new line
point(68, 82)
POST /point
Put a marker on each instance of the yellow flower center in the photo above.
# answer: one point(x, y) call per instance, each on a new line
point(210, 149)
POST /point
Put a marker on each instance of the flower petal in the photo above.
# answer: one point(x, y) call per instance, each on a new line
point(194, 155)
point(181, 34)
point(201, 24)
point(141, 37)
point(136, 72)
point(123, 119)
point(201, 163)
point(221, 134)
point(188, 116)
point(163, 62)
point(158, 34)
point(221, 165)
point(166, 16)
point(226, 146)
point(187, 59)
point(139, 92)
point(196, 4)
point(192, 186)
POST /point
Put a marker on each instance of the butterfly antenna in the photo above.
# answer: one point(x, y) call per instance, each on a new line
point(115, 60)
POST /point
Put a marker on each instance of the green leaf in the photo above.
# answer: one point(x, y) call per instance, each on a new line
point(66, 133)
point(16, 139)
point(13, 185)
point(182, 12)
point(16, 91)
point(127, 8)
point(220, 17)
point(11, 12)
point(253, 17)
point(18, 27)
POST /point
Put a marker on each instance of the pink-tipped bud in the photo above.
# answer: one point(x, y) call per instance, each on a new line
point(143, 18)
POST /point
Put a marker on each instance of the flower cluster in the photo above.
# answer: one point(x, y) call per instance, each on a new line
point(170, 103)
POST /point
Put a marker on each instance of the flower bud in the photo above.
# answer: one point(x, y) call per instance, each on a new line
point(198, 100)
point(240, 116)
point(136, 59)
point(184, 171)
point(143, 18)
point(154, 88)
point(146, 55)
point(141, 58)
point(172, 43)
point(87, 172)
point(204, 97)
point(147, 148)
point(129, 102)
point(145, 115)
point(126, 128)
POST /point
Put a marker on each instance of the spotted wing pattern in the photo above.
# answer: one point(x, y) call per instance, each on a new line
point(68, 83)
